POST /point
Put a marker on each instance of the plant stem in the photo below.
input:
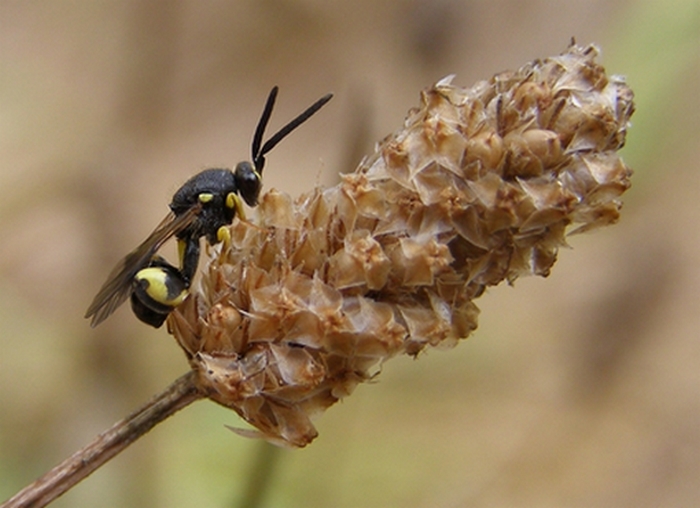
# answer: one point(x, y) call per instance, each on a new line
point(75, 468)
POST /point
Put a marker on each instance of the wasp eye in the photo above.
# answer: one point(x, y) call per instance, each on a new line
point(248, 182)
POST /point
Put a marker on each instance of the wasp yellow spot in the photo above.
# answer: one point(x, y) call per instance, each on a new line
point(159, 287)
point(231, 200)
point(181, 247)
point(224, 235)
point(205, 197)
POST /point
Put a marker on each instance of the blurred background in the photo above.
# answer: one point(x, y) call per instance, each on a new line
point(582, 389)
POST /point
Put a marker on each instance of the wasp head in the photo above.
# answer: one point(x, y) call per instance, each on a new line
point(248, 182)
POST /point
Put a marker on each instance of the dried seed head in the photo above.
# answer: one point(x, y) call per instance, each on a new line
point(479, 186)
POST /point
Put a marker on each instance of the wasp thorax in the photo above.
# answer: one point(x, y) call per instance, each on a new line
point(210, 187)
point(479, 186)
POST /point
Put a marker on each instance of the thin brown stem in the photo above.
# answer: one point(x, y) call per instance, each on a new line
point(65, 475)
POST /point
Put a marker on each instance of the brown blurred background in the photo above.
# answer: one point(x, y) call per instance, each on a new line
point(582, 389)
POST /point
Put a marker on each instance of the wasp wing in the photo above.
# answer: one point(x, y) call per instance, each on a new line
point(118, 287)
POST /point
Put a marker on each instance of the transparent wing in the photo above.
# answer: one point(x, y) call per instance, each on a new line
point(118, 287)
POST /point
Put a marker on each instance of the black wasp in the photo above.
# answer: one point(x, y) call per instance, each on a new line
point(201, 207)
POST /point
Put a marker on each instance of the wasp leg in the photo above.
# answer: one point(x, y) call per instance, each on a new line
point(233, 201)
point(188, 249)
point(223, 234)
point(158, 289)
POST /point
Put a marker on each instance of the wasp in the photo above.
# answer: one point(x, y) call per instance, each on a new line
point(202, 207)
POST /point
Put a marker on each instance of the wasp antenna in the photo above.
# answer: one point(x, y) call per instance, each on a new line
point(262, 124)
point(282, 133)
